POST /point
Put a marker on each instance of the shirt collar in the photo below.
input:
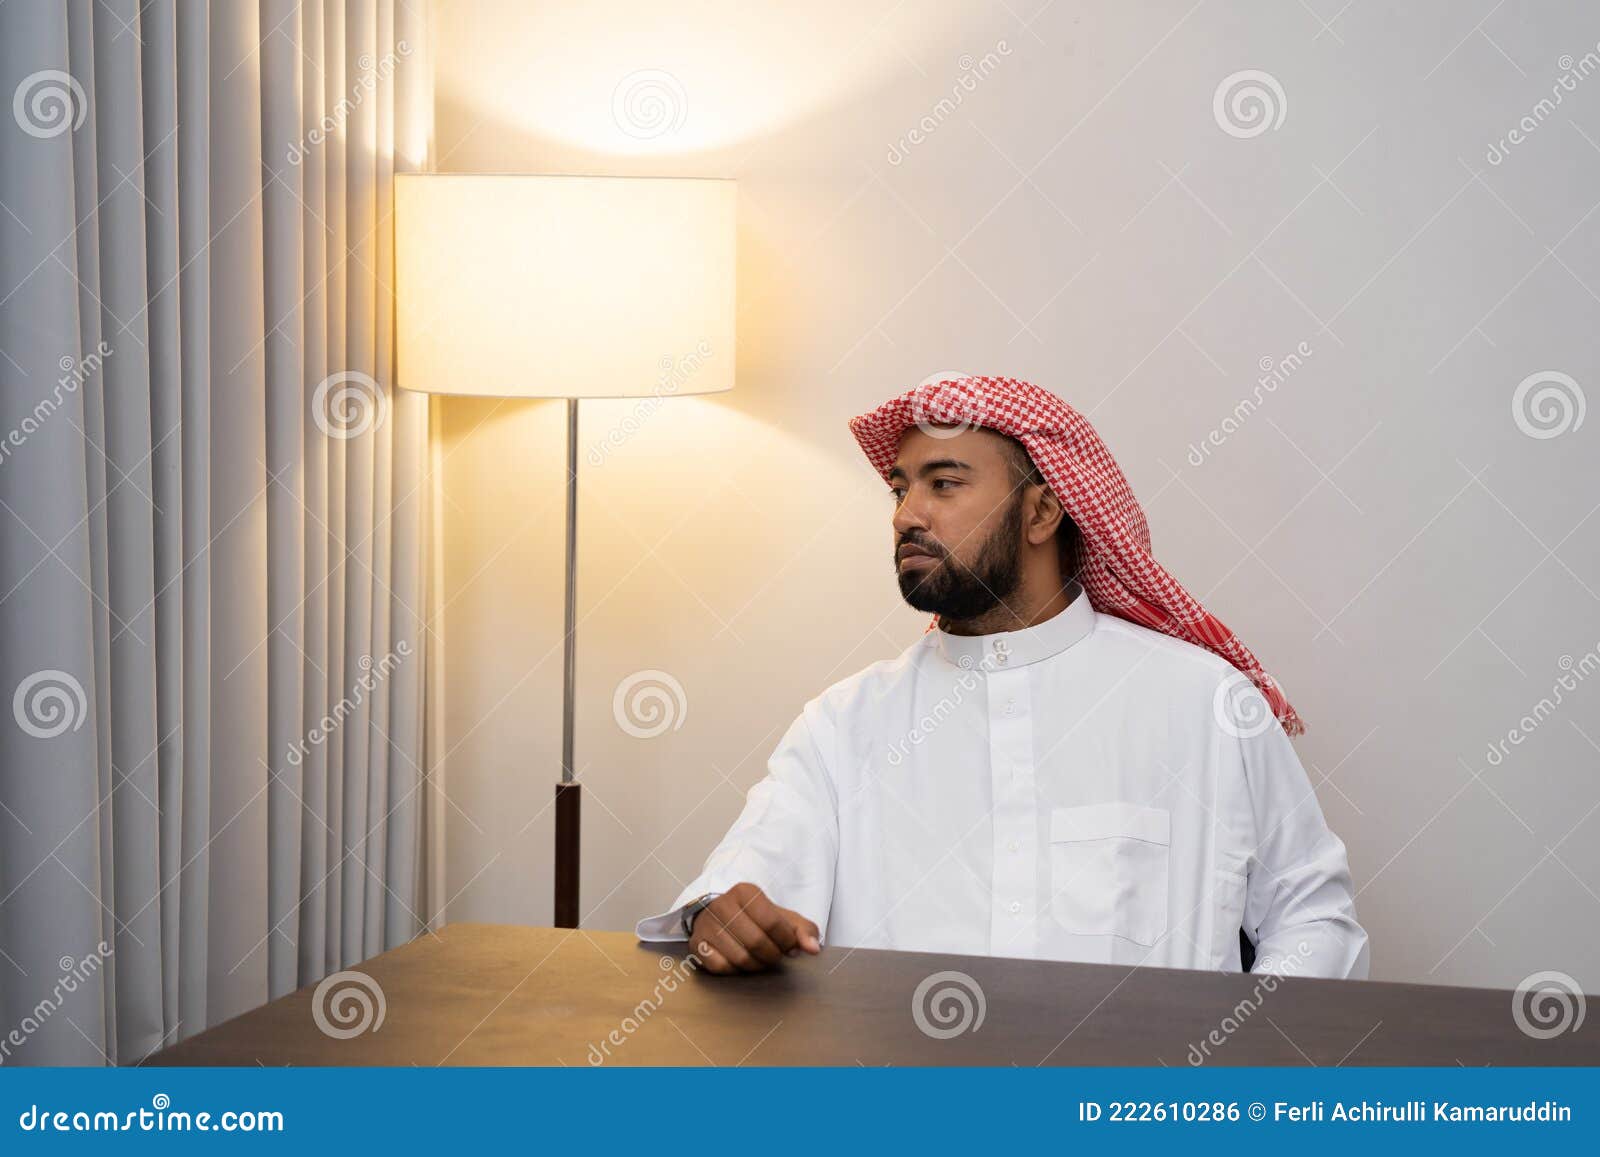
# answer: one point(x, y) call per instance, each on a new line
point(1004, 650)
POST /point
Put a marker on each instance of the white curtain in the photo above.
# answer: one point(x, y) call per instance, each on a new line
point(212, 513)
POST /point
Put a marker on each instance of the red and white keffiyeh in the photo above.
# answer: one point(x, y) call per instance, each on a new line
point(1117, 570)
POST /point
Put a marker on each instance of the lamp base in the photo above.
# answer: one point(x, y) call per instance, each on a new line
point(568, 796)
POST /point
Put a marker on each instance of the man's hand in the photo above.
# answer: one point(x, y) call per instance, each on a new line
point(743, 931)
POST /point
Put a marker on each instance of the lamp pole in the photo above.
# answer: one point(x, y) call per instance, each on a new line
point(568, 790)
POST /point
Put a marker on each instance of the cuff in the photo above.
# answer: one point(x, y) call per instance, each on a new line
point(666, 927)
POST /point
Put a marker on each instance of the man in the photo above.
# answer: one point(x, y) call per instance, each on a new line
point(1075, 762)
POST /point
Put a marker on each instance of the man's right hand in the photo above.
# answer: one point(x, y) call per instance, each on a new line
point(744, 931)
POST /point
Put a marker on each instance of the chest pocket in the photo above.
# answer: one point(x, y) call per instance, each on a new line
point(1108, 870)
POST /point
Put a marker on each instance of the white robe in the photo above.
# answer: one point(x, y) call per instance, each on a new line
point(1084, 789)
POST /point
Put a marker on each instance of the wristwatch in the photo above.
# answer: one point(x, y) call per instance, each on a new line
point(694, 908)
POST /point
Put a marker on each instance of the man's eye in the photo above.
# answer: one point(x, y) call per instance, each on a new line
point(938, 482)
point(896, 493)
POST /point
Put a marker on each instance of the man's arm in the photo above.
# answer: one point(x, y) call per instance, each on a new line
point(1300, 903)
point(785, 842)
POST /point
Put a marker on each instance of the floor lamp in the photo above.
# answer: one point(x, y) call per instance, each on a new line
point(522, 286)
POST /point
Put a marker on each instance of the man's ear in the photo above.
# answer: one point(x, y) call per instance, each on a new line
point(1047, 515)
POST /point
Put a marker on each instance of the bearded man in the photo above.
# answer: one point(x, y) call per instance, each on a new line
point(1076, 761)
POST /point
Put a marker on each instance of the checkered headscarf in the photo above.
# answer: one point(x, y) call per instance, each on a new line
point(1117, 570)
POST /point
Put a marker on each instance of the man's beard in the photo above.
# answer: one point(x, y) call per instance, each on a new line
point(956, 592)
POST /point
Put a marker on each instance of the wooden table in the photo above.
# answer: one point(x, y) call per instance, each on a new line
point(487, 994)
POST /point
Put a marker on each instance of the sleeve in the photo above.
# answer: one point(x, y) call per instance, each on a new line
point(785, 841)
point(668, 925)
point(1300, 902)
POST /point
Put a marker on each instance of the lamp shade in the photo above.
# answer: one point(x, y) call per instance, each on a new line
point(564, 287)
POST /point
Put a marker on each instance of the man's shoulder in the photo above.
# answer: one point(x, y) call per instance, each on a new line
point(1152, 657)
point(1180, 678)
point(872, 682)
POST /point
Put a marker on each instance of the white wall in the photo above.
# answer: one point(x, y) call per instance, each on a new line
point(1413, 566)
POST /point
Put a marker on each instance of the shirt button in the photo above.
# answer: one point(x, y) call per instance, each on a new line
point(1012, 845)
point(1016, 906)
point(1010, 706)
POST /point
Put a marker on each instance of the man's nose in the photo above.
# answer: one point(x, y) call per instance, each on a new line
point(908, 516)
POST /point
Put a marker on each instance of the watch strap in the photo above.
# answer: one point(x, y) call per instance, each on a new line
point(693, 909)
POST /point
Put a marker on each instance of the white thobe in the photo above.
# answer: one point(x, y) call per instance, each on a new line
point(1082, 789)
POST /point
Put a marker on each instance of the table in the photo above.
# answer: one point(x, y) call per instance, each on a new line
point(489, 994)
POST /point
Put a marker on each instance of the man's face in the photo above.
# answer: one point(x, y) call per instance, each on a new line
point(957, 522)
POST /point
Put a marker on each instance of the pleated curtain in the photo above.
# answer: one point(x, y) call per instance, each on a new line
point(212, 513)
